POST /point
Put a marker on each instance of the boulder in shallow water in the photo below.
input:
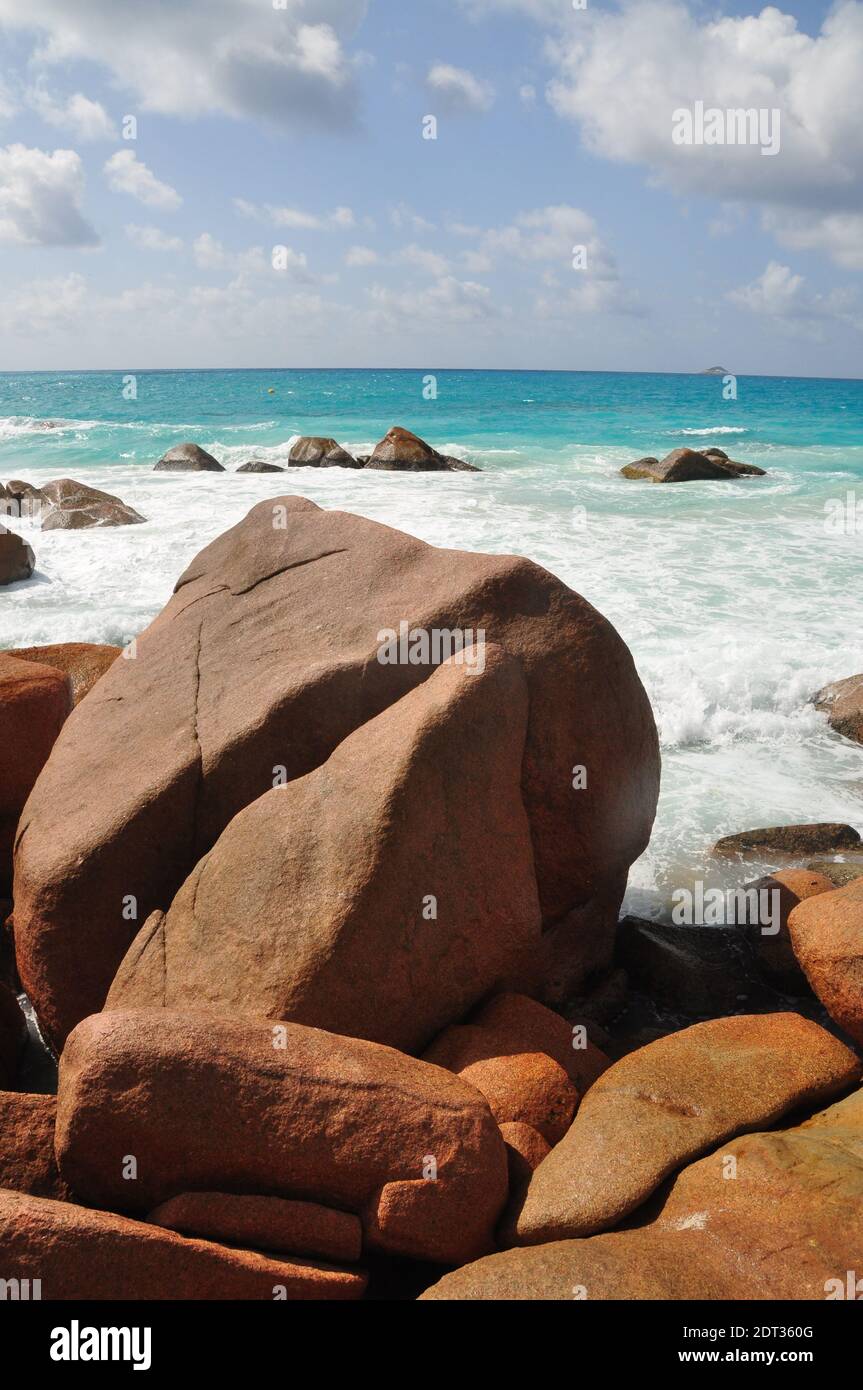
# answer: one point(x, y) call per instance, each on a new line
point(402, 451)
point(375, 902)
point(265, 660)
point(215, 1105)
point(665, 1104)
point(72, 506)
point(17, 560)
point(188, 458)
point(827, 936)
point(788, 841)
point(313, 451)
point(688, 466)
point(843, 703)
point(258, 466)
point(838, 871)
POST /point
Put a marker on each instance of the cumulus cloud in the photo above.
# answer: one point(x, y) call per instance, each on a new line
point(210, 254)
point(83, 118)
point(341, 218)
point(447, 301)
point(127, 174)
point(40, 198)
point(621, 75)
point(243, 58)
point(780, 293)
point(152, 238)
point(458, 91)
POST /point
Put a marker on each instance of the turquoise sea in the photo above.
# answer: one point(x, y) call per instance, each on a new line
point(738, 600)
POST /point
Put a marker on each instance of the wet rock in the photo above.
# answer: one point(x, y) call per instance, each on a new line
point(188, 458)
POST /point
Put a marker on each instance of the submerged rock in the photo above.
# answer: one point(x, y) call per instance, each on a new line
point(188, 458)
point(258, 466)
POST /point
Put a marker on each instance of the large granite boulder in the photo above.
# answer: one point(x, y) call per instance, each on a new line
point(367, 897)
point(283, 636)
point(766, 1216)
point(17, 560)
point(663, 1105)
point(72, 506)
point(402, 451)
point(827, 936)
point(264, 1223)
point(843, 703)
point(188, 458)
point(83, 662)
point(207, 1104)
point(313, 451)
point(34, 703)
point(77, 1254)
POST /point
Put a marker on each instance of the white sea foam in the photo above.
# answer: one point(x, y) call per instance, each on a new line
point(715, 429)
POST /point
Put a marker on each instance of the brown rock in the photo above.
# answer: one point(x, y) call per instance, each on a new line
point(843, 702)
point(827, 936)
point(81, 1254)
point(399, 450)
point(188, 458)
point(17, 560)
point(13, 1033)
point(741, 470)
point(73, 506)
point(767, 1216)
point(83, 662)
point(332, 927)
point(249, 1107)
point(774, 951)
point(34, 702)
point(790, 840)
point(680, 466)
point(26, 497)
point(27, 1162)
point(257, 466)
point(311, 451)
point(661, 1106)
point(522, 1057)
point(169, 747)
point(526, 1148)
point(263, 1223)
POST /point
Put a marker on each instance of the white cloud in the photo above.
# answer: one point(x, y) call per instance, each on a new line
point(779, 293)
point(239, 57)
point(622, 74)
point(152, 238)
point(838, 233)
point(429, 262)
point(341, 218)
point(210, 254)
point(402, 216)
point(40, 198)
point(127, 174)
point(459, 91)
point(360, 255)
point(83, 118)
point(448, 301)
point(44, 305)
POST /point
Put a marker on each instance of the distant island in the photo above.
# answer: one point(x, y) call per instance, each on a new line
point(715, 371)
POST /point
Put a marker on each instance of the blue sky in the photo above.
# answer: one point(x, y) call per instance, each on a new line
point(301, 127)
